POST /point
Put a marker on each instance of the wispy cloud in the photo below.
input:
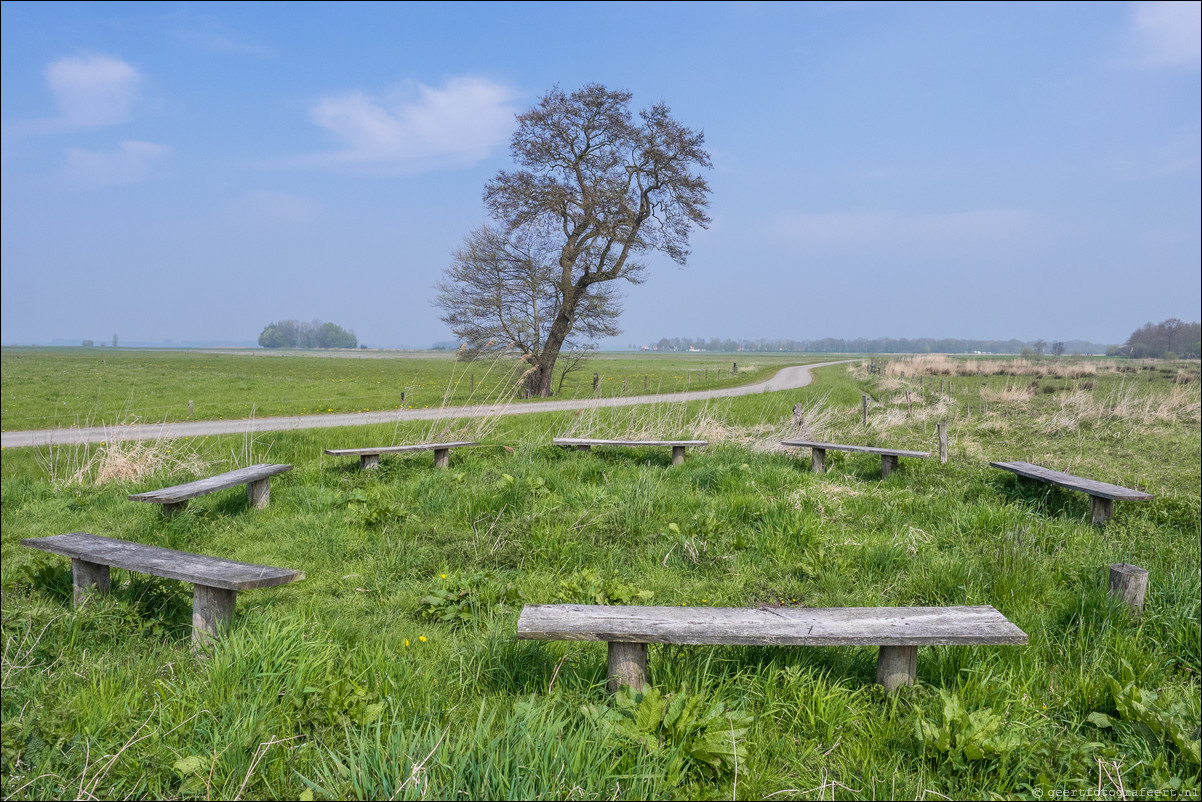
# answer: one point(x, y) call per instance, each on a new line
point(92, 91)
point(1167, 34)
point(880, 232)
point(220, 42)
point(416, 128)
point(131, 162)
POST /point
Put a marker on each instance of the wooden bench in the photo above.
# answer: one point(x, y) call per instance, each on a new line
point(888, 455)
point(1101, 494)
point(215, 581)
point(585, 443)
point(898, 631)
point(370, 457)
point(257, 479)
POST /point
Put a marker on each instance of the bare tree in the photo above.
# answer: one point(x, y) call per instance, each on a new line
point(598, 191)
point(1058, 348)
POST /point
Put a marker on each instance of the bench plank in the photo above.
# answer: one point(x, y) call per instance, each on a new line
point(896, 452)
point(201, 487)
point(1090, 486)
point(347, 452)
point(770, 626)
point(213, 572)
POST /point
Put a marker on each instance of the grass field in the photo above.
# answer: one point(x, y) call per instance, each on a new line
point(392, 670)
point(46, 388)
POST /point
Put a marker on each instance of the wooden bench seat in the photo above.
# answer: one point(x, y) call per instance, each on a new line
point(898, 631)
point(257, 479)
point(370, 457)
point(888, 455)
point(585, 443)
point(1101, 494)
point(215, 581)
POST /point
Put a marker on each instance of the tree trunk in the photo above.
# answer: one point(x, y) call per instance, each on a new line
point(540, 380)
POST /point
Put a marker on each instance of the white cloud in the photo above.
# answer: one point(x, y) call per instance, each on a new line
point(131, 162)
point(93, 91)
point(419, 129)
point(939, 234)
point(1168, 33)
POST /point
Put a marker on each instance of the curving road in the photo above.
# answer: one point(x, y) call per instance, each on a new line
point(785, 379)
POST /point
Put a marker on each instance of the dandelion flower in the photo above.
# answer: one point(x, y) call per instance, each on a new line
point(422, 638)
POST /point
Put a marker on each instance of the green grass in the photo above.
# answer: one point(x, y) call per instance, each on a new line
point(45, 388)
point(345, 686)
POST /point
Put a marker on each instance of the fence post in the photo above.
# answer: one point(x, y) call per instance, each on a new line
point(864, 403)
point(596, 381)
point(189, 409)
point(941, 427)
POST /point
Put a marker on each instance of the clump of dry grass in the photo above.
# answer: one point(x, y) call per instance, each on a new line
point(118, 460)
point(1126, 405)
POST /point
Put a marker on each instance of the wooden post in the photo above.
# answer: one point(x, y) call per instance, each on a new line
point(941, 427)
point(89, 577)
point(818, 459)
point(442, 457)
point(258, 493)
point(888, 464)
point(864, 403)
point(678, 455)
point(1100, 509)
point(644, 384)
point(896, 666)
point(212, 613)
point(369, 462)
point(627, 666)
point(596, 381)
point(907, 401)
point(402, 398)
point(734, 368)
point(707, 374)
point(189, 409)
point(1129, 583)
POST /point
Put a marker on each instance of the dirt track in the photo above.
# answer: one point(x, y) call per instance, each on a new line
point(785, 379)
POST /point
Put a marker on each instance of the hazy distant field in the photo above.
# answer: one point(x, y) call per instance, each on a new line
point(47, 388)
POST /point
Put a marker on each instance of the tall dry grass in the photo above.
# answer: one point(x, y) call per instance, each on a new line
point(117, 459)
point(943, 365)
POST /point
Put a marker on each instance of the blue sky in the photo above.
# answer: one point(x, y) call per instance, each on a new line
point(194, 171)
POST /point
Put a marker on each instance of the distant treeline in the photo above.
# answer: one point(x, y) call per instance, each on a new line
point(314, 334)
point(882, 345)
point(1169, 339)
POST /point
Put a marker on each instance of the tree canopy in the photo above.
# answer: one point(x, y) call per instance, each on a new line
point(299, 334)
point(595, 193)
point(1170, 338)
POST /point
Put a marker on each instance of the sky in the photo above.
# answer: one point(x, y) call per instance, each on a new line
point(195, 171)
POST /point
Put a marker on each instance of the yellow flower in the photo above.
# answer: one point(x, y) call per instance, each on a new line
point(422, 638)
point(406, 641)
point(444, 576)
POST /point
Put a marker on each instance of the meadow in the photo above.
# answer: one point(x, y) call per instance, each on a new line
point(392, 670)
point(47, 388)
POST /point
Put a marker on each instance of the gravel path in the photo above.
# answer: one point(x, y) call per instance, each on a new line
point(785, 379)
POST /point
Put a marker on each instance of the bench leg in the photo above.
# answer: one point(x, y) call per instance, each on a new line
point(88, 578)
point(212, 613)
point(369, 461)
point(818, 459)
point(896, 666)
point(888, 464)
point(583, 448)
point(678, 455)
point(172, 510)
point(442, 457)
point(1100, 509)
point(627, 666)
point(258, 493)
